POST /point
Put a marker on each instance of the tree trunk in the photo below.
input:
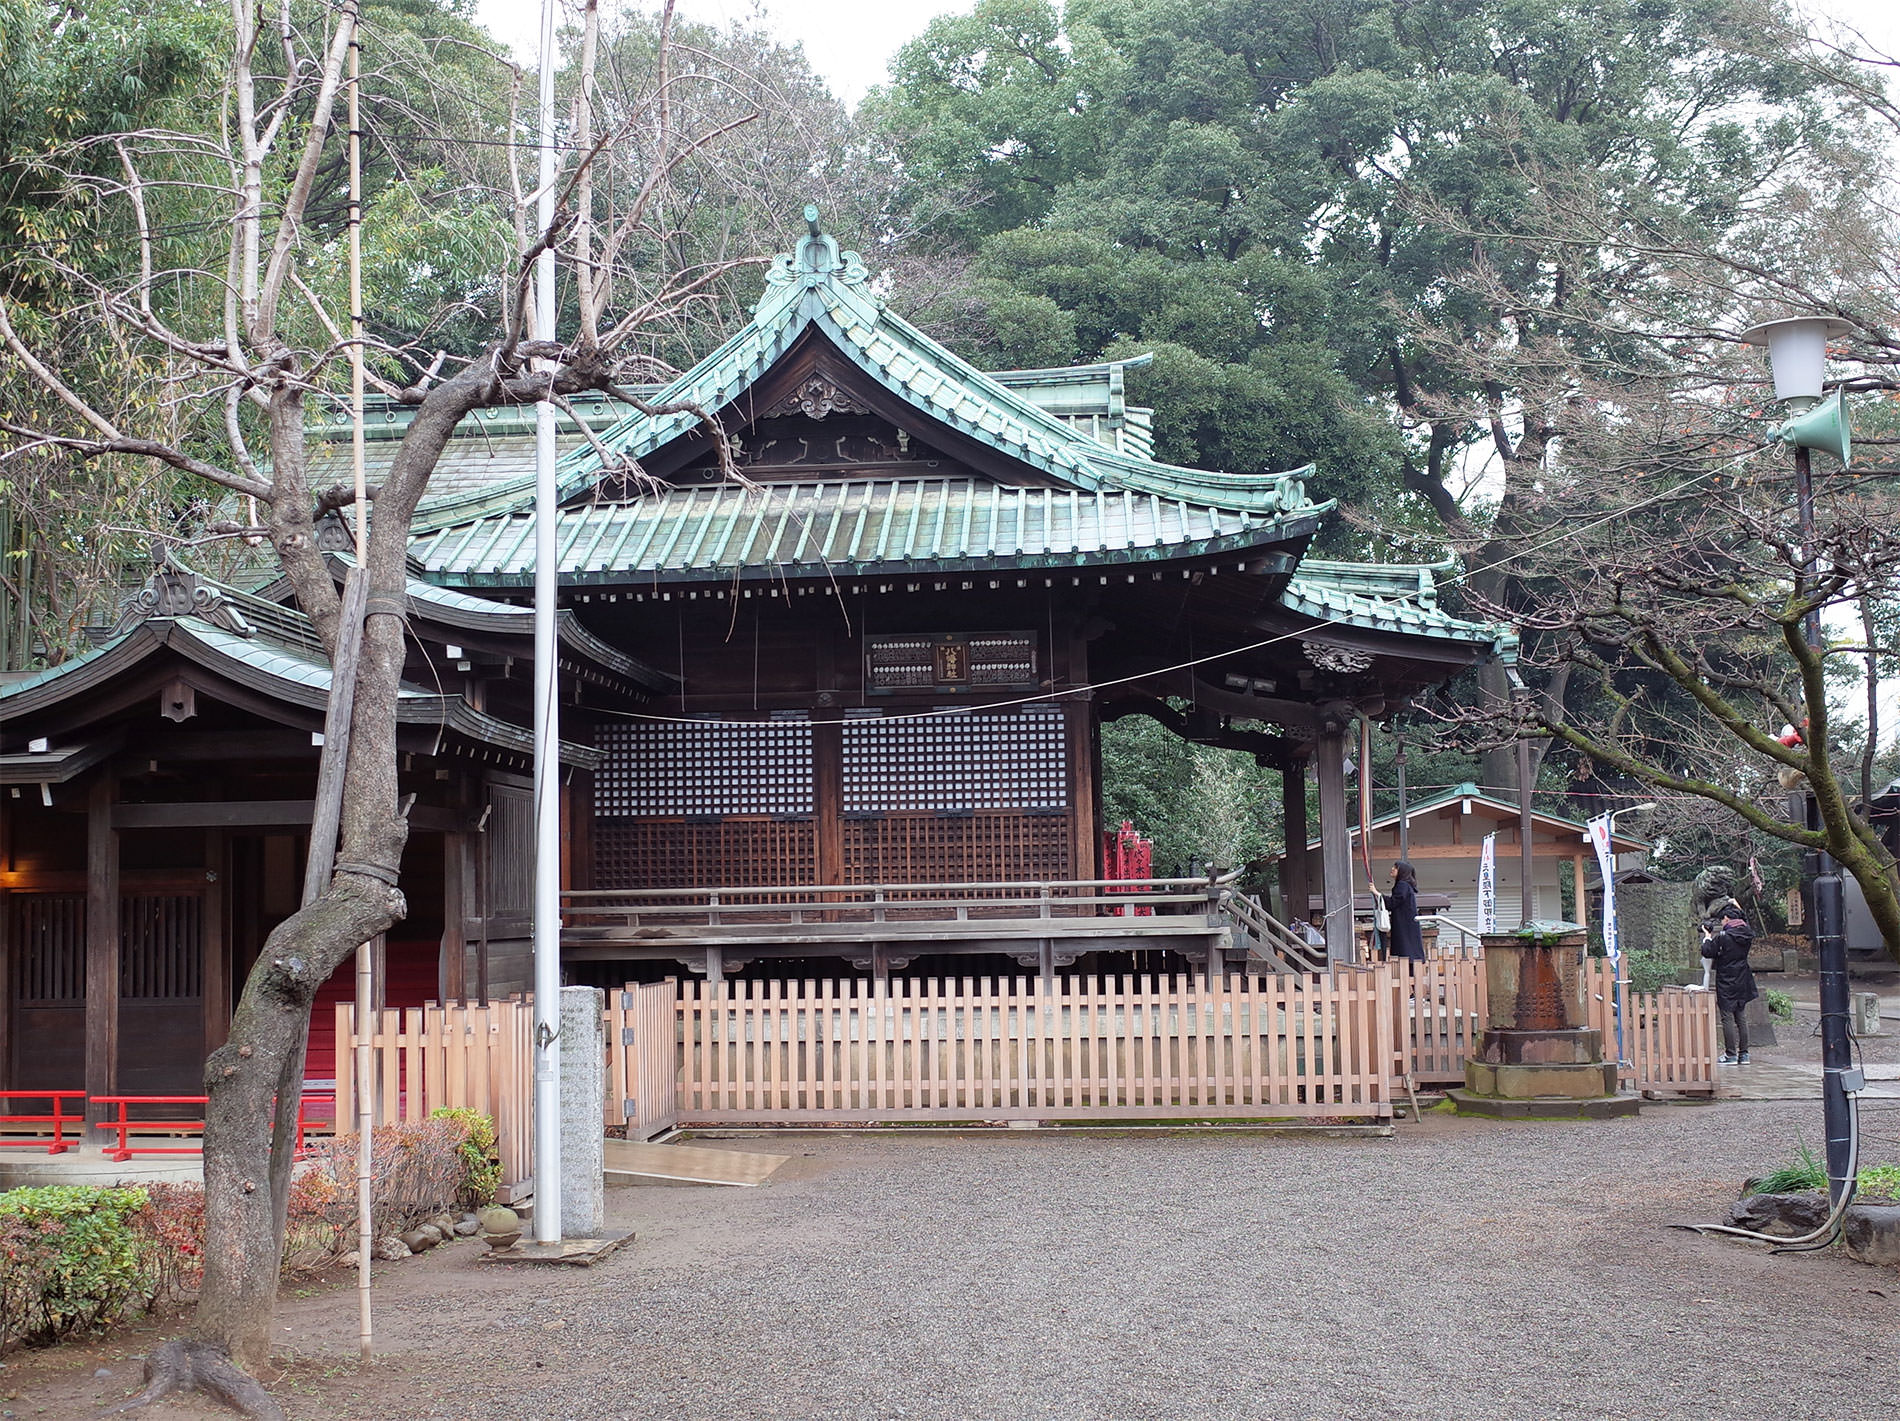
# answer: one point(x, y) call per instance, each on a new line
point(257, 1075)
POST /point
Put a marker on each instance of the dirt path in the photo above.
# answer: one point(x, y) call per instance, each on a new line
point(1462, 1268)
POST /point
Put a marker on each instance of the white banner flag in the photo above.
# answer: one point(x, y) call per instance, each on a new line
point(1599, 833)
point(1488, 886)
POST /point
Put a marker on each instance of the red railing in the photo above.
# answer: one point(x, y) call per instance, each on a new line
point(124, 1126)
point(58, 1120)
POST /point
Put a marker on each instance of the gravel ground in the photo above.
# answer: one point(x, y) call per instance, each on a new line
point(1460, 1268)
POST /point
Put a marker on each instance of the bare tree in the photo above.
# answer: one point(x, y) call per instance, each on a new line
point(254, 358)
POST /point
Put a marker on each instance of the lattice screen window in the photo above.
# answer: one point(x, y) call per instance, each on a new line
point(161, 953)
point(49, 946)
point(705, 767)
point(1000, 760)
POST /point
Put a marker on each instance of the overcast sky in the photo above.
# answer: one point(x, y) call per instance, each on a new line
point(850, 42)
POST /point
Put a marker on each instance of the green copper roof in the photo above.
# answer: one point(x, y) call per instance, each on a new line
point(820, 287)
point(270, 648)
point(850, 526)
point(1387, 597)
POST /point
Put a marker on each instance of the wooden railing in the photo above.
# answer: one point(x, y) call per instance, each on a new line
point(1276, 941)
point(1081, 1048)
point(835, 908)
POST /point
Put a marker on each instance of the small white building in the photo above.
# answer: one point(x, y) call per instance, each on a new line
point(1446, 834)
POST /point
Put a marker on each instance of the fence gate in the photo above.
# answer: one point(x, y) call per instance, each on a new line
point(643, 1058)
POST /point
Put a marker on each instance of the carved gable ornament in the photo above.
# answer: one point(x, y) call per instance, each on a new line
point(173, 591)
point(815, 398)
point(1342, 659)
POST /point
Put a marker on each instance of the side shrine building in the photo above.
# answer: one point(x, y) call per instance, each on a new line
point(846, 706)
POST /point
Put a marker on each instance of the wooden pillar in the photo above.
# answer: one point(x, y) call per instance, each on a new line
point(1583, 893)
point(1335, 839)
point(217, 940)
point(827, 768)
point(1086, 850)
point(1295, 888)
point(1527, 863)
point(457, 894)
point(7, 979)
point(102, 944)
point(715, 966)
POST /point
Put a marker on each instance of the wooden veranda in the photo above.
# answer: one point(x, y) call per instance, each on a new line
point(1043, 925)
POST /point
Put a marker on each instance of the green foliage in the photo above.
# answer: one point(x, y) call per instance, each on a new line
point(1199, 805)
point(72, 1260)
point(1780, 1004)
point(1648, 971)
point(1880, 1182)
point(482, 1165)
point(1805, 1171)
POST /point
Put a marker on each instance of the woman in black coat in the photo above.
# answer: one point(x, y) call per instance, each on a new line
point(1402, 904)
point(1727, 948)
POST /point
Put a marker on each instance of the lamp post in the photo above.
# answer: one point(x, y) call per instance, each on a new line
point(1405, 824)
point(1797, 355)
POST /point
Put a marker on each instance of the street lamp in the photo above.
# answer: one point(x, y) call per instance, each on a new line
point(1797, 355)
point(1629, 809)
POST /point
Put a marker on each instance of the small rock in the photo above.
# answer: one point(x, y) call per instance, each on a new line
point(465, 1227)
point(420, 1242)
point(1784, 1215)
point(391, 1248)
point(103, 1372)
point(446, 1223)
point(1872, 1233)
point(431, 1232)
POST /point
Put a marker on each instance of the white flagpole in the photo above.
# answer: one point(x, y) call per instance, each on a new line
point(547, 777)
point(365, 954)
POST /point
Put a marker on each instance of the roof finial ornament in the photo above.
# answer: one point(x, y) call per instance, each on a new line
point(817, 262)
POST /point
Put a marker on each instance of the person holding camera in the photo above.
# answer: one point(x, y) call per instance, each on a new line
point(1725, 942)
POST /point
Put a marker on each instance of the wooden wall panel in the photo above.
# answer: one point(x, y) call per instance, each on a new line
point(729, 852)
point(981, 847)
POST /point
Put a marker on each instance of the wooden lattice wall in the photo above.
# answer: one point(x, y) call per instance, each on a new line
point(911, 798)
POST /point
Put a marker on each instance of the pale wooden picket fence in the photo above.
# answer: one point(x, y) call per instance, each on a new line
point(643, 1057)
point(459, 1055)
point(1440, 1011)
point(1077, 1048)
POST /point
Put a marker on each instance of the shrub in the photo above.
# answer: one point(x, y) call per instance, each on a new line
point(481, 1164)
point(417, 1171)
point(72, 1260)
point(1780, 1004)
point(81, 1256)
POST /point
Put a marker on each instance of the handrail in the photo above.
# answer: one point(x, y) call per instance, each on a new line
point(59, 1120)
point(124, 1126)
point(1203, 887)
point(1445, 922)
point(1281, 940)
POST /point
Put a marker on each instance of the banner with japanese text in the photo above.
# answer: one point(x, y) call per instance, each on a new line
point(1488, 886)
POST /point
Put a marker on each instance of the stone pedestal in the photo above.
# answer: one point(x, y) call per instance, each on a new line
point(1537, 1051)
